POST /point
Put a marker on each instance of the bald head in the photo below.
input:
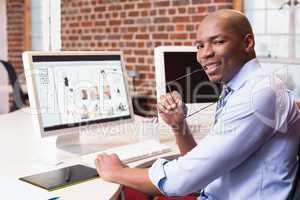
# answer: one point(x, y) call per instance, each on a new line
point(225, 43)
point(234, 21)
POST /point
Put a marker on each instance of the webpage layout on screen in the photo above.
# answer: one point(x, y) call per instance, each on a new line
point(80, 91)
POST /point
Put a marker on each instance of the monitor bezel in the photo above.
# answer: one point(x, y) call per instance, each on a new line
point(33, 94)
point(159, 61)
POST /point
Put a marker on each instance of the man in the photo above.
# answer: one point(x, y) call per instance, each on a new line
point(251, 151)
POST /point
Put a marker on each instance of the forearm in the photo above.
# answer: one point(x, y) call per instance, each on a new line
point(184, 138)
point(136, 178)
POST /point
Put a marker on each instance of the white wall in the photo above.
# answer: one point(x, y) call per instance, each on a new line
point(3, 31)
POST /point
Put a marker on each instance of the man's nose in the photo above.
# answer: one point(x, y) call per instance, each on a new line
point(206, 52)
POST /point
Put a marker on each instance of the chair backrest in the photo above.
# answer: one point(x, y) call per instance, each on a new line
point(4, 90)
point(18, 96)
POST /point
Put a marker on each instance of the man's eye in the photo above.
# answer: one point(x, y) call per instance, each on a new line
point(219, 42)
point(199, 46)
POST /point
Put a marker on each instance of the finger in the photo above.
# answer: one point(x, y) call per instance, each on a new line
point(176, 96)
point(161, 108)
point(101, 157)
point(164, 102)
point(98, 166)
point(115, 156)
point(171, 101)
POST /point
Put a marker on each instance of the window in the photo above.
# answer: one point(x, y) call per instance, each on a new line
point(45, 25)
point(277, 37)
point(274, 24)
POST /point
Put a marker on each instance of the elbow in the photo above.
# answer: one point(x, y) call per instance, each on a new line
point(181, 187)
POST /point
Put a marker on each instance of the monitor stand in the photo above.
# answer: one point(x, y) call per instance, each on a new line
point(95, 138)
point(73, 144)
point(85, 141)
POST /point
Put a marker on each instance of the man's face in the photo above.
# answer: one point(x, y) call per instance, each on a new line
point(221, 52)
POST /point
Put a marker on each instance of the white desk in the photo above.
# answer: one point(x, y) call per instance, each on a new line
point(19, 152)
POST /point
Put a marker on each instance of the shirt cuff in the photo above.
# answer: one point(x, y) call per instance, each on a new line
point(157, 174)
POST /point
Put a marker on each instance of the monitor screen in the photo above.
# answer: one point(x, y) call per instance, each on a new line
point(79, 89)
point(184, 74)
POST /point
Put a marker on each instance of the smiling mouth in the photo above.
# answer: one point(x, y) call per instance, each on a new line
point(211, 67)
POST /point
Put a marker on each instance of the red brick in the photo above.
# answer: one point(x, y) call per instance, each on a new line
point(86, 24)
point(223, 1)
point(180, 2)
point(130, 44)
point(180, 27)
point(141, 60)
point(192, 36)
point(224, 7)
point(129, 6)
point(172, 11)
point(141, 44)
point(144, 13)
point(142, 36)
point(201, 1)
point(115, 22)
point(201, 9)
point(133, 14)
point(197, 18)
point(131, 59)
point(115, 14)
point(128, 37)
point(182, 10)
point(85, 10)
point(114, 37)
point(161, 3)
point(179, 36)
point(181, 19)
point(144, 5)
point(190, 28)
point(143, 68)
point(141, 52)
point(143, 21)
point(162, 11)
point(100, 23)
point(160, 36)
point(153, 12)
point(114, 7)
point(85, 37)
point(128, 21)
point(161, 20)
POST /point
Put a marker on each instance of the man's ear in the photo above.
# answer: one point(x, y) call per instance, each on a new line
point(249, 43)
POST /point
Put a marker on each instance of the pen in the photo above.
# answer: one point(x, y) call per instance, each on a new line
point(54, 198)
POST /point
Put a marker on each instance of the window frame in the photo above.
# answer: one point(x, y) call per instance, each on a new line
point(50, 25)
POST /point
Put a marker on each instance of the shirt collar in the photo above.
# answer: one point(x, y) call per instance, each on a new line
point(241, 77)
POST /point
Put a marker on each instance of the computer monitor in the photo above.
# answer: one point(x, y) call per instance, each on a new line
point(71, 90)
point(176, 68)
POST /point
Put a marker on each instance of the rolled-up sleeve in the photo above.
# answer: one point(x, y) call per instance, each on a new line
point(157, 173)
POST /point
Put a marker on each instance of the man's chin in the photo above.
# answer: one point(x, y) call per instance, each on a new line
point(215, 79)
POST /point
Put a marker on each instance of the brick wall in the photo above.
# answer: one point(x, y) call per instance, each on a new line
point(135, 27)
point(15, 29)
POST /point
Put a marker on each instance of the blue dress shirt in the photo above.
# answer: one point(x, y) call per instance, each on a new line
point(250, 152)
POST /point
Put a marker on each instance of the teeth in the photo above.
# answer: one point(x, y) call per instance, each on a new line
point(212, 65)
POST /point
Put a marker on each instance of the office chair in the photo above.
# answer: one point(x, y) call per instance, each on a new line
point(18, 97)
